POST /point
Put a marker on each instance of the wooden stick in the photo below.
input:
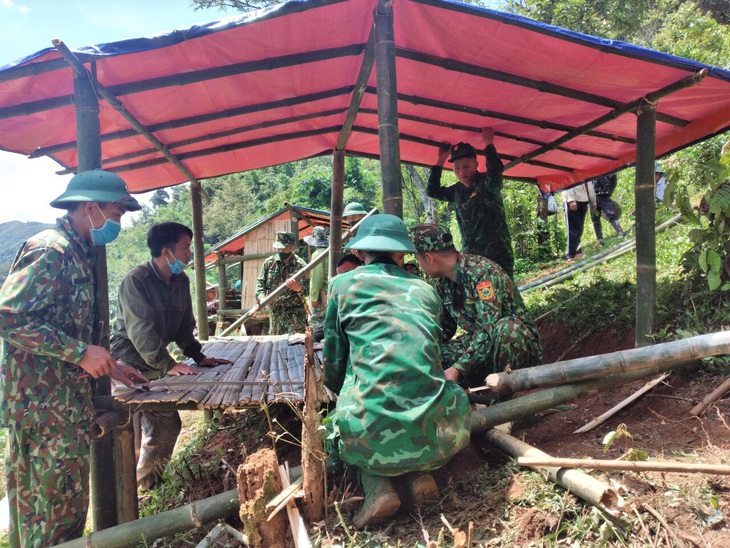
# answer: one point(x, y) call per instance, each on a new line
point(635, 466)
point(616, 408)
point(664, 523)
point(299, 531)
point(710, 399)
point(582, 485)
point(283, 498)
point(312, 441)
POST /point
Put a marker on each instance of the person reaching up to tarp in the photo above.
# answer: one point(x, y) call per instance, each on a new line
point(476, 199)
point(397, 418)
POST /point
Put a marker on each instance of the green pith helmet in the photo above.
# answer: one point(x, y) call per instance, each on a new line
point(431, 237)
point(353, 208)
point(382, 232)
point(97, 185)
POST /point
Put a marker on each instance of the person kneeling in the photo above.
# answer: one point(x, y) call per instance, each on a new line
point(397, 417)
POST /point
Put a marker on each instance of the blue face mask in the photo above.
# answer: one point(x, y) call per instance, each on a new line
point(108, 231)
point(177, 267)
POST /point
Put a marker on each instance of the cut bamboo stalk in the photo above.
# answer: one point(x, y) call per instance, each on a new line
point(582, 485)
point(616, 408)
point(529, 404)
point(161, 525)
point(656, 358)
point(312, 443)
point(711, 398)
point(283, 498)
point(634, 466)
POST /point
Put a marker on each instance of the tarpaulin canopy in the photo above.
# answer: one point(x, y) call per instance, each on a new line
point(274, 86)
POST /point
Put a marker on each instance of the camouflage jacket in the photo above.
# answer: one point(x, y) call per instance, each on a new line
point(481, 294)
point(318, 277)
point(479, 211)
point(274, 273)
point(150, 315)
point(47, 317)
point(396, 413)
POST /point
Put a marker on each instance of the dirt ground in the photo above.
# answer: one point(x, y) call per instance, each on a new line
point(503, 503)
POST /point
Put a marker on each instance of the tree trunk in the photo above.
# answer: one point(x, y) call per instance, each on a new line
point(429, 204)
point(543, 234)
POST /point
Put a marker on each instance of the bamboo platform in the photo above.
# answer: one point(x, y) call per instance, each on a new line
point(265, 369)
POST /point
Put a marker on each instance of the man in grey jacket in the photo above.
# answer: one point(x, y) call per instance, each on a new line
point(154, 308)
point(577, 201)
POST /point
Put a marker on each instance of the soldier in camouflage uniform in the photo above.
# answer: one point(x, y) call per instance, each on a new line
point(287, 314)
point(318, 277)
point(485, 303)
point(48, 325)
point(396, 415)
point(477, 200)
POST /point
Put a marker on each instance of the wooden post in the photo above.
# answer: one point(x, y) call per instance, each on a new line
point(126, 473)
point(313, 477)
point(338, 184)
point(196, 197)
point(387, 93)
point(222, 287)
point(88, 143)
point(645, 220)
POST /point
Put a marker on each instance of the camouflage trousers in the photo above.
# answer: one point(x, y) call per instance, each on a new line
point(47, 472)
point(155, 435)
point(292, 319)
point(510, 342)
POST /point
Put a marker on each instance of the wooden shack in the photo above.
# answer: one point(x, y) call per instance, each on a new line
point(239, 258)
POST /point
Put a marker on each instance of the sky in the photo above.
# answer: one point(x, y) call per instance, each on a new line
point(27, 26)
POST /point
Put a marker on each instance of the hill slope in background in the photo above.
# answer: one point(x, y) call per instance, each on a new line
point(12, 235)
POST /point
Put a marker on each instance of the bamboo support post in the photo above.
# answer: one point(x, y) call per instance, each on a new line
point(276, 293)
point(711, 398)
point(161, 525)
point(312, 443)
point(582, 485)
point(529, 404)
point(126, 474)
point(633, 466)
point(656, 358)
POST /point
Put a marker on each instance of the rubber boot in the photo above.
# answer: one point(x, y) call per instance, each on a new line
point(421, 488)
point(381, 500)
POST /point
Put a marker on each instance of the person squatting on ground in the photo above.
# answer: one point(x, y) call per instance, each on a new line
point(603, 188)
point(576, 202)
point(287, 314)
point(154, 309)
point(485, 303)
point(397, 417)
point(318, 279)
point(50, 354)
point(477, 200)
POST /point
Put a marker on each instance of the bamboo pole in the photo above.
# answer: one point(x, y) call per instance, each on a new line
point(106, 423)
point(582, 485)
point(529, 404)
point(336, 207)
point(387, 94)
point(645, 220)
point(633, 466)
point(147, 529)
point(126, 474)
point(276, 293)
point(710, 399)
point(656, 358)
point(313, 477)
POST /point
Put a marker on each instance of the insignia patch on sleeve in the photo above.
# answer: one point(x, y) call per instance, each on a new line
point(485, 290)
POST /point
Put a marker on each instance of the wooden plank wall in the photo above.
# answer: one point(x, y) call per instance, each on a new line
point(259, 240)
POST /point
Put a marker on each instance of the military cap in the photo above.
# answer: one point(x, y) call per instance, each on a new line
point(354, 208)
point(382, 232)
point(318, 237)
point(97, 185)
point(462, 150)
point(284, 239)
point(431, 237)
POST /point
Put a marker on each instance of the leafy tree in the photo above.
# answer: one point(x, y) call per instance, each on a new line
point(236, 5)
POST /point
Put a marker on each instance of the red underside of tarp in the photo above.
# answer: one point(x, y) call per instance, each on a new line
point(295, 104)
